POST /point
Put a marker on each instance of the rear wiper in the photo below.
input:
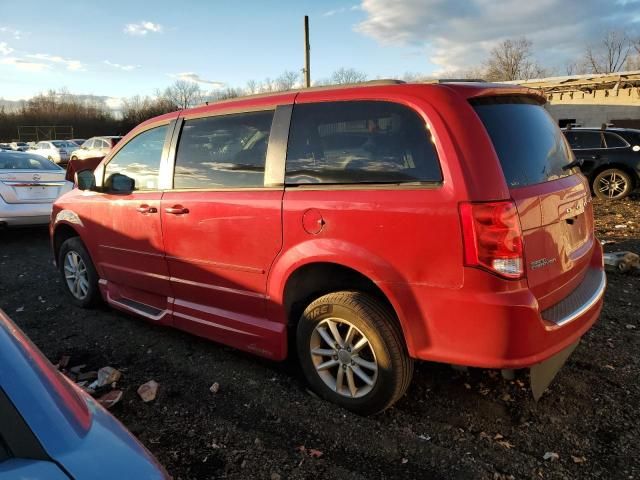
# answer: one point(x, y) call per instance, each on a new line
point(576, 163)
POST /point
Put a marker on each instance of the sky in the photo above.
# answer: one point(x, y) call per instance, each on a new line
point(123, 48)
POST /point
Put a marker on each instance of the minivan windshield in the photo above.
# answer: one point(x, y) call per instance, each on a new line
point(530, 147)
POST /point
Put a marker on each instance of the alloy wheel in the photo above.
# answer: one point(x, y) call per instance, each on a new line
point(76, 275)
point(612, 185)
point(343, 358)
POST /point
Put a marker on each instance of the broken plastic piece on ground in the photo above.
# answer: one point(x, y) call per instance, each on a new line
point(551, 456)
point(622, 261)
point(215, 387)
point(108, 400)
point(542, 374)
point(148, 391)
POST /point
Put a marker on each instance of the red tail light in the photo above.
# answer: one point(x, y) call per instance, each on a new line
point(493, 238)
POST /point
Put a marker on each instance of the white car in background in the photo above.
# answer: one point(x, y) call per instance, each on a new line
point(95, 147)
point(29, 184)
point(57, 151)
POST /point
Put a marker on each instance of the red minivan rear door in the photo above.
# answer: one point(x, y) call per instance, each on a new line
point(552, 197)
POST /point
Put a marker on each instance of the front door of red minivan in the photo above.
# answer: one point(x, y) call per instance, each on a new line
point(222, 230)
point(126, 226)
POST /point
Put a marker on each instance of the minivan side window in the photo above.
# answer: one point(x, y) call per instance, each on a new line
point(140, 159)
point(225, 151)
point(359, 142)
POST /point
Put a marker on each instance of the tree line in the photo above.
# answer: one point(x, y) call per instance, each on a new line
point(512, 59)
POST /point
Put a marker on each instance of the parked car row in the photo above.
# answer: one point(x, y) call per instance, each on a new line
point(61, 151)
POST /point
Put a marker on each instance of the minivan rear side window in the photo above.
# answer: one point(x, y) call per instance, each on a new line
point(359, 142)
point(530, 146)
point(223, 151)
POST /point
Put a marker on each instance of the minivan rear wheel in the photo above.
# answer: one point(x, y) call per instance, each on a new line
point(79, 276)
point(612, 184)
point(351, 352)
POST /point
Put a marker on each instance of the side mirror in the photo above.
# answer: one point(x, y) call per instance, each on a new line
point(119, 183)
point(85, 179)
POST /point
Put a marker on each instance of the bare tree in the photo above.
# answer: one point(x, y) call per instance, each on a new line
point(183, 94)
point(224, 94)
point(347, 75)
point(610, 55)
point(287, 80)
point(512, 60)
point(252, 87)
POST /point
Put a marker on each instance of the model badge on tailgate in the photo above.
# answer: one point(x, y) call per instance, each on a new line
point(543, 262)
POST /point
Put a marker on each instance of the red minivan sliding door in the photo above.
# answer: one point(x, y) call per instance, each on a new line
point(222, 230)
point(125, 227)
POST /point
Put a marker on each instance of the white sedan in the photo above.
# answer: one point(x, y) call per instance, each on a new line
point(29, 184)
point(57, 151)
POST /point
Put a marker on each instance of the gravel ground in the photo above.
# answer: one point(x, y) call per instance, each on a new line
point(449, 425)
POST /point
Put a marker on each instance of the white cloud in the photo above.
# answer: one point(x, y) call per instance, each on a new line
point(24, 65)
point(126, 68)
point(5, 49)
point(195, 78)
point(331, 13)
point(73, 65)
point(142, 28)
point(17, 34)
point(458, 34)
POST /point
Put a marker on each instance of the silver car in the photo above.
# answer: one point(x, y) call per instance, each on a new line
point(57, 151)
point(29, 184)
point(95, 147)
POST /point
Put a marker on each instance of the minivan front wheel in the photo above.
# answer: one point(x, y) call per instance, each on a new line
point(79, 276)
point(351, 352)
point(612, 184)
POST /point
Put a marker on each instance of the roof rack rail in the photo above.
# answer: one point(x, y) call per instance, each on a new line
point(455, 80)
point(383, 81)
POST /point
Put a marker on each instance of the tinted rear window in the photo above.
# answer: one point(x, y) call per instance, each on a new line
point(359, 142)
point(25, 161)
point(530, 146)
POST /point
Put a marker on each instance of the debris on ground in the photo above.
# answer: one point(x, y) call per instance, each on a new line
point(63, 362)
point(106, 376)
point(215, 387)
point(622, 261)
point(312, 452)
point(578, 459)
point(148, 391)
point(109, 399)
point(551, 456)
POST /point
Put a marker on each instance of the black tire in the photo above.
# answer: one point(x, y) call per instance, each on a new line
point(374, 321)
point(92, 296)
point(612, 184)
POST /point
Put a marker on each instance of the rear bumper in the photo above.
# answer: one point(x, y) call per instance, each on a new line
point(482, 327)
point(22, 214)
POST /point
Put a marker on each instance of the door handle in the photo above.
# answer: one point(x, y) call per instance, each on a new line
point(177, 210)
point(146, 209)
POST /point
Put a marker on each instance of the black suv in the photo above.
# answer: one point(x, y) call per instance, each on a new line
point(610, 158)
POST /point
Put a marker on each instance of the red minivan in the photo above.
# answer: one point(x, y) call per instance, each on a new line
point(363, 227)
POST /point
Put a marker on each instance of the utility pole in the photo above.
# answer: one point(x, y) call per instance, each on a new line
point(307, 48)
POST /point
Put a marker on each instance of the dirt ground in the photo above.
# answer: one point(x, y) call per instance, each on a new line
point(449, 425)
